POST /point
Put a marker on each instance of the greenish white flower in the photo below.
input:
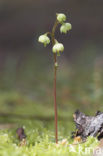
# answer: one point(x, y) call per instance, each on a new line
point(65, 27)
point(58, 47)
point(44, 39)
point(61, 17)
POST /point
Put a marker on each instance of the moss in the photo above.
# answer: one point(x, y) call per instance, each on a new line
point(40, 141)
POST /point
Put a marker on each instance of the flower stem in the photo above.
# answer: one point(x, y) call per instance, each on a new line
point(55, 106)
point(55, 75)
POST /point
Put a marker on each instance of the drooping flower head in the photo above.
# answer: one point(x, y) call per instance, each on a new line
point(44, 39)
point(61, 17)
point(57, 48)
point(65, 27)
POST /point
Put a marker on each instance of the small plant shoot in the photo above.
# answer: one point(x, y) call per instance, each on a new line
point(56, 49)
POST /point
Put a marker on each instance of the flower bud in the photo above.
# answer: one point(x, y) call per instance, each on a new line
point(56, 64)
point(65, 27)
point(58, 47)
point(44, 39)
point(61, 18)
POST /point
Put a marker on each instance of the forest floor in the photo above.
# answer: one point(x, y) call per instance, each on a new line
point(38, 123)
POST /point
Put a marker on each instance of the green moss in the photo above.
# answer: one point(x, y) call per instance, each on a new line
point(40, 140)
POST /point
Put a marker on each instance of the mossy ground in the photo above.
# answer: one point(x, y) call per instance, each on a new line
point(40, 139)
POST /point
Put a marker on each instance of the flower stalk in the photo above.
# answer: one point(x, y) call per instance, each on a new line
point(55, 74)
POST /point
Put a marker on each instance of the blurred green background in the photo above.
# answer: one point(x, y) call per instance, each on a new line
point(26, 67)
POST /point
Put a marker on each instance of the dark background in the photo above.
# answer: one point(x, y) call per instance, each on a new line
point(22, 21)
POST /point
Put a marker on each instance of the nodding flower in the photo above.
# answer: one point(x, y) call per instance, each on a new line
point(44, 39)
point(65, 27)
point(57, 48)
point(61, 17)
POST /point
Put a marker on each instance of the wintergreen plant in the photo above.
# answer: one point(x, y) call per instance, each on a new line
point(56, 49)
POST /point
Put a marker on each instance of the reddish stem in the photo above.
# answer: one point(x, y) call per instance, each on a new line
point(55, 73)
point(55, 105)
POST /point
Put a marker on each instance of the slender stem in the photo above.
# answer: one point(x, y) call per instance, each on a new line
point(55, 107)
point(55, 74)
